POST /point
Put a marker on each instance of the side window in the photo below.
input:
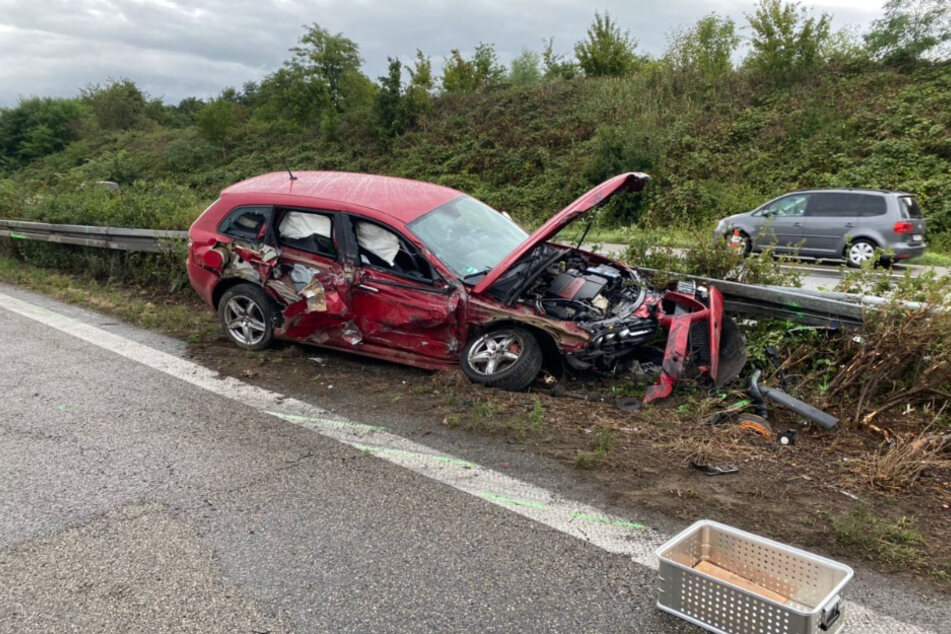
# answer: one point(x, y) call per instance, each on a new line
point(383, 249)
point(830, 205)
point(846, 205)
point(869, 205)
point(246, 223)
point(308, 231)
point(789, 206)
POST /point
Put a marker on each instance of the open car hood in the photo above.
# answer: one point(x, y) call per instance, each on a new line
point(629, 182)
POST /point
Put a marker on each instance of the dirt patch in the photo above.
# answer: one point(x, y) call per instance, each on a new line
point(818, 493)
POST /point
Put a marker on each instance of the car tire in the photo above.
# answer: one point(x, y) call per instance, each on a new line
point(858, 252)
point(507, 357)
point(745, 238)
point(248, 316)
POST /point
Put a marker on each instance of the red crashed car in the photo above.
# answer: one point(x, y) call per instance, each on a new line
point(427, 276)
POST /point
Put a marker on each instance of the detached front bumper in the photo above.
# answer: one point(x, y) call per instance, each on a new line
point(702, 328)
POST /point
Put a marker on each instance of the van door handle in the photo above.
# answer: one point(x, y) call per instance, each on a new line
point(797, 224)
point(368, 288)
point(850, 224)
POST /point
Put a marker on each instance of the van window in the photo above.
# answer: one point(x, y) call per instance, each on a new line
point(794, 206)
point(246, 223)
point(909, 207)
point(841, 204)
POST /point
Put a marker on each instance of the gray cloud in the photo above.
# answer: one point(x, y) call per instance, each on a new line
point(174, 49)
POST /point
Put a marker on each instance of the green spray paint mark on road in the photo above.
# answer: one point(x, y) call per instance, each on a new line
point(578, 515)
point(68, 408)
point(18, 236)
point(294, 418)
point(411, 454)
point(498, 498)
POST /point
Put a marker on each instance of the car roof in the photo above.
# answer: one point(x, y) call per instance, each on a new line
point(843, 190)
point(401, 198)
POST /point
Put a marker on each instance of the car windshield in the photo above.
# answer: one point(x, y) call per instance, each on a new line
point(467, 236)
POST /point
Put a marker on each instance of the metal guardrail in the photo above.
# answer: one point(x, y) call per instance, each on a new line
point(789, 304)
point(120, 238)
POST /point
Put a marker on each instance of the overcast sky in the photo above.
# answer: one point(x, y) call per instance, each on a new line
point(174, 49)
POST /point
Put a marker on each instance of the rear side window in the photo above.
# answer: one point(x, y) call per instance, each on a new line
point(308, 231)
point(909, 207)
point(246, 223)
point(846, 205)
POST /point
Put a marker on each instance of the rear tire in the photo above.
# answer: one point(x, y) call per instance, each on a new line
point(507, 357)
point(248, 316)
point(859, 252)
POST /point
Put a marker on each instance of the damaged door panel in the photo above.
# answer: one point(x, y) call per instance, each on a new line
point(311, 282)
point(399, 300)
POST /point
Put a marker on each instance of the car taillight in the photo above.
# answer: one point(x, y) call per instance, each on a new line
point(904, 227)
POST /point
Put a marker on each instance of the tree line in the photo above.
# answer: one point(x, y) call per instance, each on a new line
point(322, 87)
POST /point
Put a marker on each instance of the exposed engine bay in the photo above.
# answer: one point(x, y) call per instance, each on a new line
point(623, 314)
point(613, 304)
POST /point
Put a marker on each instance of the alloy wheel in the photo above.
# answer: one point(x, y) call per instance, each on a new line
point(245, 320)
point(495, 352)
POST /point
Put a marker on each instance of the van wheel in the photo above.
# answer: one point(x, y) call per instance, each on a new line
point(508, 358)
point(743, 242)
point(859, 252)
point(248, 316)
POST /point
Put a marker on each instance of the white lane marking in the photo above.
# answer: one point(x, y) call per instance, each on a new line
point(613, 534)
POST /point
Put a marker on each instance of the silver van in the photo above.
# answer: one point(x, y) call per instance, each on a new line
point(833, 223)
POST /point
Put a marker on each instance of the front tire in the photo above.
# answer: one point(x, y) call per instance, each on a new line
point(742, 242)
point(859, 252)
point(247, 316)
point(508, 358)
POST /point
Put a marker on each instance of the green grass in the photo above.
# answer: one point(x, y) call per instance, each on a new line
point(896, 542)
point(677, 237)
point(179, 314)
point(933, 259)
point(601, 447)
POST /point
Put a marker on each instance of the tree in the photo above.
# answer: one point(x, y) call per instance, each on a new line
point(607, 51)
point(290, 94)
point(35, 128)
point(419, 97)
point(787, 41)
point(462, 75)
point(909, 30)
point(219, 120)
point(705, 49)
point(525, 68)
point(555, 65)
point(119, 105)
point(388, 105)
point(333, 61)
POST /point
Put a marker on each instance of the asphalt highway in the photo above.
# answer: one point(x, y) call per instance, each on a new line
point(138, 493)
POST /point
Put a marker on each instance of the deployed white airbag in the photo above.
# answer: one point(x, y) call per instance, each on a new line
point(299, 226)
point(378, 241)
